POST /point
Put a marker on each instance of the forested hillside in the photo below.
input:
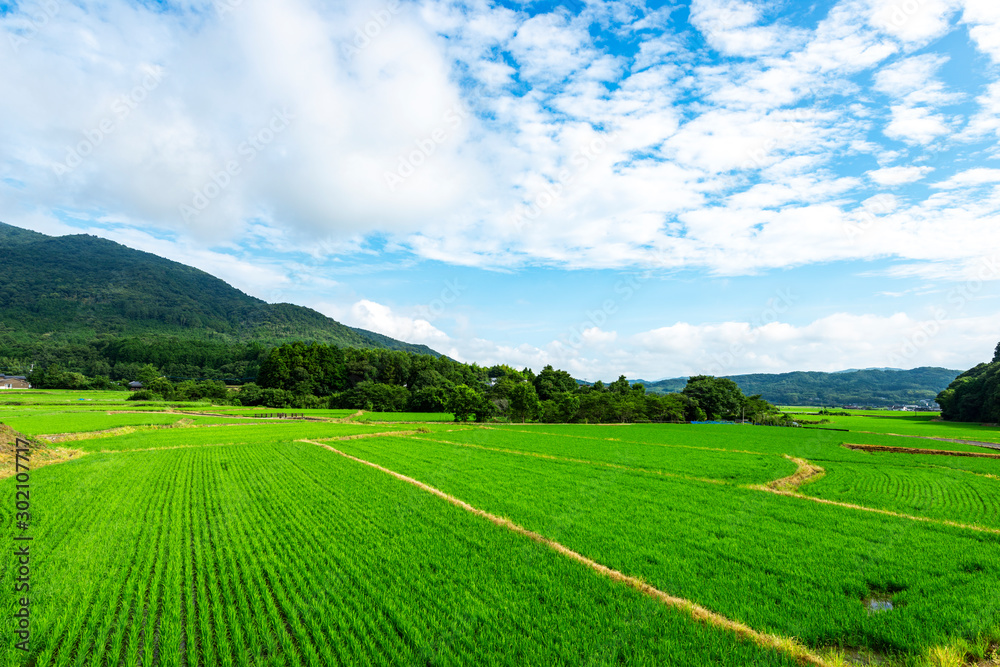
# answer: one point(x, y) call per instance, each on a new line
point(89, 304)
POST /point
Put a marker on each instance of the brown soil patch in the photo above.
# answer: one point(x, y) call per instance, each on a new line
point(91, 435)
point(40, 453)
point(695, 611)
point(909, 450)
point(974, 443)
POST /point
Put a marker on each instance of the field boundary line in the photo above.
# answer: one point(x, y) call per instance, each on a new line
point(695, 611)
point(909, 450)
point(358, 436)
point(876, 510)
point(636, 442)
point(553, 457)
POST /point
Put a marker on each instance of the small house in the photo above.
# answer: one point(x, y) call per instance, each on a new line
point(14, 382)
point(134, 385)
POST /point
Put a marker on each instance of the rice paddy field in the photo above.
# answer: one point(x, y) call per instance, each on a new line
point(202, 535)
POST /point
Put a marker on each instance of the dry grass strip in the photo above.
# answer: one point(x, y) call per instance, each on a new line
point(909, 450)
point(898, 515)
point(807, 472)
point(39, 455)
point(784, 644)
point(91, 435)
point(358, 436)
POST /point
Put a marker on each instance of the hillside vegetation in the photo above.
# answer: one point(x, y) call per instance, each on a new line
point(974, 396)
point(78, 300)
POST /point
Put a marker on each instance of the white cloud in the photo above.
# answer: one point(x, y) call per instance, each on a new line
point(730, 26)
point(912, 79)
point(914, 22)
point(380, 318)
point(916, 125)
point(898, 340)
point(898, 175)
point(983, 18)
point(970, 178)
point(987, 120)
point(675, 158)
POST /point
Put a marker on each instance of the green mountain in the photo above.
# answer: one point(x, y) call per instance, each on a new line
point(77, 288)
point(876, 387)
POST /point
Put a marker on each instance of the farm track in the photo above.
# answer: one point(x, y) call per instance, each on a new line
point(909, 450)
point(697, 612)
point(358, 436)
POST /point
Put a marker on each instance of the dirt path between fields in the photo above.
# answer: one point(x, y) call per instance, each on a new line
point(908, 450)
point(697, 612)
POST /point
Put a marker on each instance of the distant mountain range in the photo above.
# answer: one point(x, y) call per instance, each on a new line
point(872, 386)
point(77, 288)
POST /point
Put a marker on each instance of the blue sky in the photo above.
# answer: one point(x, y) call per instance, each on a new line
point(653, 189)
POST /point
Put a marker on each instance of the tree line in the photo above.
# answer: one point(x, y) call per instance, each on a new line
point(314, 375)
point(299, 376)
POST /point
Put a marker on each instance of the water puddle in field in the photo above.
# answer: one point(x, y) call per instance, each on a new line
point(880, 597)
point(876, 605)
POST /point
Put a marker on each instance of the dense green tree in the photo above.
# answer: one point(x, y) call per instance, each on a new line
point(464, 402)
point(524, 403)
point(718, 397)
point(550, 382)
point(619, 386)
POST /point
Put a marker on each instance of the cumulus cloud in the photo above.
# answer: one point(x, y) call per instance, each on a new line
point(378, 317)
point(916, 125)
point(898, 175)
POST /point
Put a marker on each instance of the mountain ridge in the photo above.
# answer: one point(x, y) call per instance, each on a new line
point(79, 286)
point(866, 386)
